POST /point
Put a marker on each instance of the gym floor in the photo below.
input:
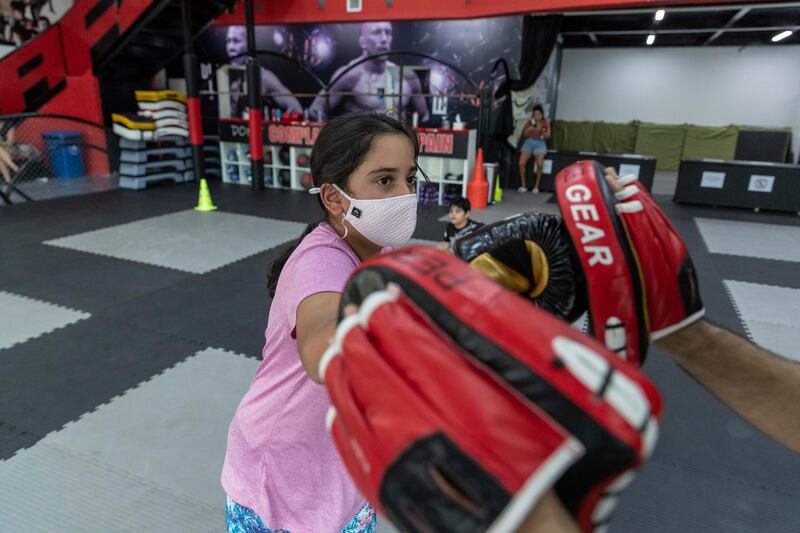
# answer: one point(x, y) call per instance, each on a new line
point(130, 327)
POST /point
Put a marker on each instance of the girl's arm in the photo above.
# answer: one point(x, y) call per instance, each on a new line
point(549, 516)
point(316, 324)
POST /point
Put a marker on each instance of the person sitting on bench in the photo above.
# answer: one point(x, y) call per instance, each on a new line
point(7, 164)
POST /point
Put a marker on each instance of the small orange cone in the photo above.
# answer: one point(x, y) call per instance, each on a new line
point(478, 188)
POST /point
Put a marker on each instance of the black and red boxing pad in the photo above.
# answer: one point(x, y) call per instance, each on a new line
point(667, 273)
point(457, 404)
point(529, 254)
point(614, 289)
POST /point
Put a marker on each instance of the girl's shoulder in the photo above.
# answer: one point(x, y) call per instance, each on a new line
point(321, 243)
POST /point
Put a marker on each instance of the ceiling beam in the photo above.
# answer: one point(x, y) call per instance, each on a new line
point(681, 31)
point(734, 19)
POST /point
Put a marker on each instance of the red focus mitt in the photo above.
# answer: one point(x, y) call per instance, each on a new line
point(637, 268)
point(615, 294)
point(457, 404)
point(672, 294)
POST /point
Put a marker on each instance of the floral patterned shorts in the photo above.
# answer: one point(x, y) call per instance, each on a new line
point(244, 520)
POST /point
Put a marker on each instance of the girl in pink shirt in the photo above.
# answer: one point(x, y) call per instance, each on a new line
point(282, 471)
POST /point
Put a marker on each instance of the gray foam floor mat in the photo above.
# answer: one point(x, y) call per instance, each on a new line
point(171, 429)
point(767, 241)
point(55, 378)
point(188, 240)
point(771, 315)
point(24, 318)
point(46, 488)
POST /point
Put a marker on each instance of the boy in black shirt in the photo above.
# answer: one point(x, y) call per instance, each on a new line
point(460, 224)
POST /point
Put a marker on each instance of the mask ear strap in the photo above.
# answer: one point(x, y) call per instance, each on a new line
point(340, 191)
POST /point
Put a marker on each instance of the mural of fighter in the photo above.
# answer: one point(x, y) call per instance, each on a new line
point(271, 86)
point(365, 85)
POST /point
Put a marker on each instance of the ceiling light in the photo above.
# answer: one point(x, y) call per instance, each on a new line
point(782, 35)
point(651, 39)
point(660, 14)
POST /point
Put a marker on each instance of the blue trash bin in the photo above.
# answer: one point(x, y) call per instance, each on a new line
point(66, 154)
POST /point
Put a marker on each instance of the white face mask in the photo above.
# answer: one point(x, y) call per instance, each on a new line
point(387, 222)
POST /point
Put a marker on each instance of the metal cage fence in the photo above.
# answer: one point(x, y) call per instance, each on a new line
point(48, 155)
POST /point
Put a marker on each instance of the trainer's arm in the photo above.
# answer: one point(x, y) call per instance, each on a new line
point(762, 387)
point(316, 324)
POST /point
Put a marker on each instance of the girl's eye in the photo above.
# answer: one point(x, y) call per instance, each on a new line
point(386, 180)
point(411, 180)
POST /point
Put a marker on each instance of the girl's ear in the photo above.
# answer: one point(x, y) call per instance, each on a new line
point(334, 203)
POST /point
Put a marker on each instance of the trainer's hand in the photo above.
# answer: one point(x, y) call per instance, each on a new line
point(612, 178)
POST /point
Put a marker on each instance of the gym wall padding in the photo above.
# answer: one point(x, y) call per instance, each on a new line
point(663, 142)
point(573, 136)
point(703, 142)
point(614, 138)
point(668, 143)
point(559, 135)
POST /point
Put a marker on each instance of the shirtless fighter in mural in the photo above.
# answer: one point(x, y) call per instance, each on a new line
point(271, 86)
point(368, 80)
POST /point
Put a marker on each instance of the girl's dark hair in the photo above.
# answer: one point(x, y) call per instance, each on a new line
point(339, 149)
point(539, 108)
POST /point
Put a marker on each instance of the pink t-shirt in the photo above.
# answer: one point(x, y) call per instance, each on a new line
point(281, 461)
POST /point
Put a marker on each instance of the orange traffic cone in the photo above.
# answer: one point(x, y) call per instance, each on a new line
point(478, 188)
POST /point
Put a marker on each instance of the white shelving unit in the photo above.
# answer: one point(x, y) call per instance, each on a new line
point(236, 166)
point(443, 172)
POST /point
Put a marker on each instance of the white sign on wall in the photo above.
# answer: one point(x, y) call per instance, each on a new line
point(439, 105)
point(627, 168)
point(547, 167)
point(760, 183)
point(712, 180)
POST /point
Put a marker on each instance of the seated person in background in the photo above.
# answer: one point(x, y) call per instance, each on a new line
point(460, 224)
point(6, 162)
point(533, 138)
